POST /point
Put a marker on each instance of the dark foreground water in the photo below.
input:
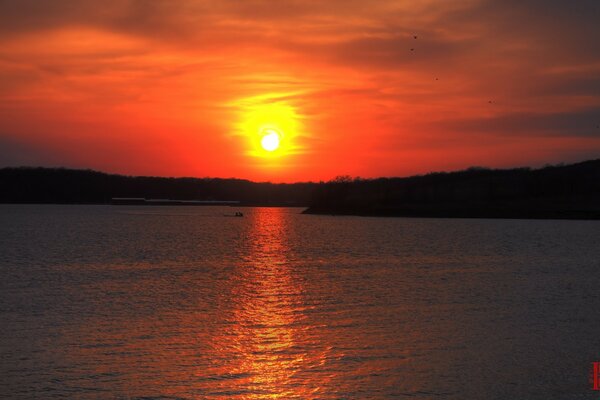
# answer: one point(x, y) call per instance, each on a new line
point(101, 302)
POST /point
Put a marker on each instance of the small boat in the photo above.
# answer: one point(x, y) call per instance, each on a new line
point(237, 214)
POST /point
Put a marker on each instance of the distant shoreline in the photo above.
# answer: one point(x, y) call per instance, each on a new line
point(151, 205)
point(580, 215)
point(553, 192)
point(480, 213)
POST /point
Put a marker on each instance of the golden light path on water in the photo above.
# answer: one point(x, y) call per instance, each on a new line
point(267, 337)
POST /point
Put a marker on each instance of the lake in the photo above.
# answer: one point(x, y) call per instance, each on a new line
point(126, 302)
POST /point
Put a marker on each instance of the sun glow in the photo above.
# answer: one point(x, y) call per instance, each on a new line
point(271, 127)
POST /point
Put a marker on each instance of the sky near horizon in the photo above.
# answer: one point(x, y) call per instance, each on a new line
point(360, 88)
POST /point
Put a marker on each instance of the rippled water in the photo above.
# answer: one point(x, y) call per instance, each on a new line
point(101, 302)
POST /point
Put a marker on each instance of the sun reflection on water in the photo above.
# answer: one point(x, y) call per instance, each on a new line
point(269, 336)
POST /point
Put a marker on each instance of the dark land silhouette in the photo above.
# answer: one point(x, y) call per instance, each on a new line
point(70, 186)
point(562, 191)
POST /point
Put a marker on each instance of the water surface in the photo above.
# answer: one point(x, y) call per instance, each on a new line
point(107, 302)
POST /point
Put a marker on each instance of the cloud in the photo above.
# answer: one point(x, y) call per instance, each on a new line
point(580, 123)
point(16, 152)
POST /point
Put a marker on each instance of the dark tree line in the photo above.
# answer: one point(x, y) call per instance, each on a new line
point(68, 186)
point(571, 191)
point(565, 191)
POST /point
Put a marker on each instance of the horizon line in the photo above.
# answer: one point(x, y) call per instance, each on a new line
point(341, 176)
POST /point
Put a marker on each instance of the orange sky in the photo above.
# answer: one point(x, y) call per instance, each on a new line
point(181, 88)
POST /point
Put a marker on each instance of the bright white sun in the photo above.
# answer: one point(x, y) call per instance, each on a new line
point(270, 141)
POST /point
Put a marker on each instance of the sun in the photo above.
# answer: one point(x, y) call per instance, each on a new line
point(271, 128)
point(270, 140)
